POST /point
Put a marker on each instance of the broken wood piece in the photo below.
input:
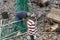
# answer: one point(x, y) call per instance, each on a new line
point(41, 1)
point(44, 1)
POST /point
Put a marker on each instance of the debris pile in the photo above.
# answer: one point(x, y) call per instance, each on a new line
point(48, 18)
point(8, 6)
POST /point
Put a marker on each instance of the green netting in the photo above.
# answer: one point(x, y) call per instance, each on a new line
point(22, 26)
point(30, 9)
point(8, 30)
point(21, 5)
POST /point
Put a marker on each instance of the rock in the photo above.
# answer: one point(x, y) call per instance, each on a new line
point(54, 14)
point(52, 28)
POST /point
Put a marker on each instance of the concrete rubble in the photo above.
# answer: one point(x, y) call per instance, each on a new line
point(44, 17)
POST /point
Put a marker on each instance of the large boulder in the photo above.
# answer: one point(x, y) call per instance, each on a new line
point(54, 14)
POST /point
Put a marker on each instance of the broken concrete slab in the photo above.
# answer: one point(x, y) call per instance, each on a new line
point(54, 14)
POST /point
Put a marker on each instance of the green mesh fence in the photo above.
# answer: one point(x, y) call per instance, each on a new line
point(21, 5)
point(11, 29)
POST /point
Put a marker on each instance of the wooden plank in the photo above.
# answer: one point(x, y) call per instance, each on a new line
point(54, 14)
point(41, 1)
